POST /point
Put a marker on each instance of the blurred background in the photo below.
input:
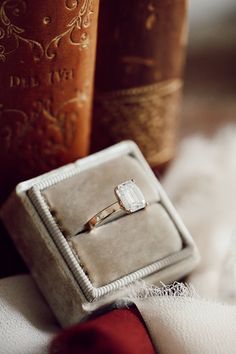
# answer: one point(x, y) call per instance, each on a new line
point(210, 72)
point(201, 180)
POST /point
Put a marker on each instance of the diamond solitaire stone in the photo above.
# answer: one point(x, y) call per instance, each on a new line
point(130, 196)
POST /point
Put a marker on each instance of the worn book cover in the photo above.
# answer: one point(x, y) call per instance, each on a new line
point(47, 60)
point(140, 54)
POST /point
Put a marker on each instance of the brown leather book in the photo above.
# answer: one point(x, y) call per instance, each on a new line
point(47, 60)
point(138, 75)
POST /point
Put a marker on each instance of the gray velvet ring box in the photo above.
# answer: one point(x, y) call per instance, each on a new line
point(79, 273)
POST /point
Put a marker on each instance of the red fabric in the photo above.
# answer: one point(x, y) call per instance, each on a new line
point(120, 331)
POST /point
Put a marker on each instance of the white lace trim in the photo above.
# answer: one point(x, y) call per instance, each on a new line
point(142, 291)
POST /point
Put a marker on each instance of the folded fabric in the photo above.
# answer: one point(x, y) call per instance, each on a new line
point(181, 322)
point(201, 184)
point(120, 331)
point(26, 322)
point(178, 321)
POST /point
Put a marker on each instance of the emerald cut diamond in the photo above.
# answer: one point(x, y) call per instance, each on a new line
point(130, 196)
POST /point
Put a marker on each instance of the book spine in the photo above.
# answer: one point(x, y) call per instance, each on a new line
point(47, 61)
point(138, 78)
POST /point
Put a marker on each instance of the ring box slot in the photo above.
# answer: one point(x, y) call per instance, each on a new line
point(75, 200)
point(78, 273)
point(110, 251)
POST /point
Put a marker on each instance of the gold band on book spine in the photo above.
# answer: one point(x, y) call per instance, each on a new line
point(147, 115)
point(140, 55)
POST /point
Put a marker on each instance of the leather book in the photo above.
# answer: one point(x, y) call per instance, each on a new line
point(47, 60)
point(138, 75)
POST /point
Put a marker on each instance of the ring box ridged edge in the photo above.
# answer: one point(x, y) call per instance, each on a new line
point(55, 278)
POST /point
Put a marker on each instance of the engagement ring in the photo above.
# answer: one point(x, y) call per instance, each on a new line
point(129, 200)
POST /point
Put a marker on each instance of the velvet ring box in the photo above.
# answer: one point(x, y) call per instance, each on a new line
point(78, 273)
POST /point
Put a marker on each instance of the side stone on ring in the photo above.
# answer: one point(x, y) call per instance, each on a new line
point(129, 200)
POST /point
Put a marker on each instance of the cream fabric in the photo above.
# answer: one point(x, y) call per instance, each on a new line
point(201, 184)
point(26, 323)
point(189, 324)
